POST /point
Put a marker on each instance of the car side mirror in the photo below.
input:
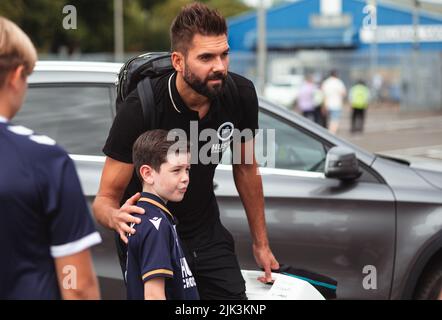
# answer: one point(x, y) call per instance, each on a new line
point(341, 163)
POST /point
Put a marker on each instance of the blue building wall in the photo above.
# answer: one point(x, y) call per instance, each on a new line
point(288, 26)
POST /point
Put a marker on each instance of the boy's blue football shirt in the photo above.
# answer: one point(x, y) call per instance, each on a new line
point(155, 251)
point(43, 213)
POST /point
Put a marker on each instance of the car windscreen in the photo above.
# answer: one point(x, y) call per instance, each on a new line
point(78, 117)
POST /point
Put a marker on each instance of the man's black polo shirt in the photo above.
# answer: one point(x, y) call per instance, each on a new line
point(197, 213)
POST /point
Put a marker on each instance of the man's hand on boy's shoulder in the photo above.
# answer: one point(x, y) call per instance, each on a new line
point(123, 216)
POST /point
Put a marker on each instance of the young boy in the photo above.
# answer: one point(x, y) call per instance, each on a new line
point(156, 266)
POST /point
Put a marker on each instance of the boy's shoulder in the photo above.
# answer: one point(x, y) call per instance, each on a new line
point(153, 217)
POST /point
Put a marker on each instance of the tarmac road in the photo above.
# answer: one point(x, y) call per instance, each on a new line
point(390, 131)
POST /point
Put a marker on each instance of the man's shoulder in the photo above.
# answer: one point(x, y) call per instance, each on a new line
point(245, 91)
point(241, 81)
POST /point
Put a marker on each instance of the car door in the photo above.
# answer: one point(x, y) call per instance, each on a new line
point(342, 230)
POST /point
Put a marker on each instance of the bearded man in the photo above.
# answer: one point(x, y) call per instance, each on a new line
point(194, 92)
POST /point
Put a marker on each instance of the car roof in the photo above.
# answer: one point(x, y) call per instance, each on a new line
point(74, 72)
point(113, 67)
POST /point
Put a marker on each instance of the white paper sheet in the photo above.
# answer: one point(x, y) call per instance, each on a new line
point(284, 288)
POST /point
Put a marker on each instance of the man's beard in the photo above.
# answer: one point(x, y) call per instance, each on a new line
point(202, 87)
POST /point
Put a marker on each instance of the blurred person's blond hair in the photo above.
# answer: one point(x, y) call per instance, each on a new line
point(16, 49)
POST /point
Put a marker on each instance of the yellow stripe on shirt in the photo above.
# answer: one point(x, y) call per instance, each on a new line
point(157, 204)
point(158, 271)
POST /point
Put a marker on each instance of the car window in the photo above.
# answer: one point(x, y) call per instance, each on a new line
point(294, 149)
point(77, 117)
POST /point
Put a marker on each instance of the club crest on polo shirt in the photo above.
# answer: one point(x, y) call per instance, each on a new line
point(225, 133)
point(156, 222)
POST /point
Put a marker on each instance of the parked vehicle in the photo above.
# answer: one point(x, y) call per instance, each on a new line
point(284, 89)
point(372, 223)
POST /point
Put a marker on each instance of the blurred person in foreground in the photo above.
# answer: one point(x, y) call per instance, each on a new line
point(46, 228)
point(334, 94)
point(359, 97)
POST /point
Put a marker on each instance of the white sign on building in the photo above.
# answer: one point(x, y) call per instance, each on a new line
point(331, 7)
point(401, 34)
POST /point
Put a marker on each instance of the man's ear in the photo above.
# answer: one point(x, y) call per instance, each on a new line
point(146, 173)
point(178, 61)
point(15, 77)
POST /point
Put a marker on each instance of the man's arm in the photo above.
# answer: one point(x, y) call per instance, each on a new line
point(249, 185)
point(76, 277)
point(114, 180)
point(154, 289)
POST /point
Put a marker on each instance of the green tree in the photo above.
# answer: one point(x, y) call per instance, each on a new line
point(162, 15)
point(146, 22)
point(36, 18)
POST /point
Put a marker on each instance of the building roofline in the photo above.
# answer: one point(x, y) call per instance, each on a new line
point(385, 3)
point(252, 13)
point(406, 8)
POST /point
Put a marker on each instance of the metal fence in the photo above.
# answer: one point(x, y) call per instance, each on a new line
point(412, 79)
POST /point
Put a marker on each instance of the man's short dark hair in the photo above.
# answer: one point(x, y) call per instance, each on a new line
point(195, 18)
point(152, 148)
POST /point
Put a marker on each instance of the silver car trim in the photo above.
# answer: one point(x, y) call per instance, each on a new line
point(224, 167)
point(281, 172)
point(82, 157)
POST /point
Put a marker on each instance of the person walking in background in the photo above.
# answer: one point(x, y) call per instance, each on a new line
point(318, 100)
point(306, 98)
point(359, 98)
point(334, 94)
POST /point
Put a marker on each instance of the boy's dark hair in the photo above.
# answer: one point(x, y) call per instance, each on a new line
point(195, 18)
point(152, 148)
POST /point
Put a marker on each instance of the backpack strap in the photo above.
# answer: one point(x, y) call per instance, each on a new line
point(145, 92)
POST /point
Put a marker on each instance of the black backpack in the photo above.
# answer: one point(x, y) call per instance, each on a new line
point(136, 74)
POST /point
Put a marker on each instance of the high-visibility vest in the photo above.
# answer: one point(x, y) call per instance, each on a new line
point(359, 96)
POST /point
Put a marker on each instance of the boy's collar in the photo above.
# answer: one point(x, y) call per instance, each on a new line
point(3, 120)
point(153, 197)
point(156, 201)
